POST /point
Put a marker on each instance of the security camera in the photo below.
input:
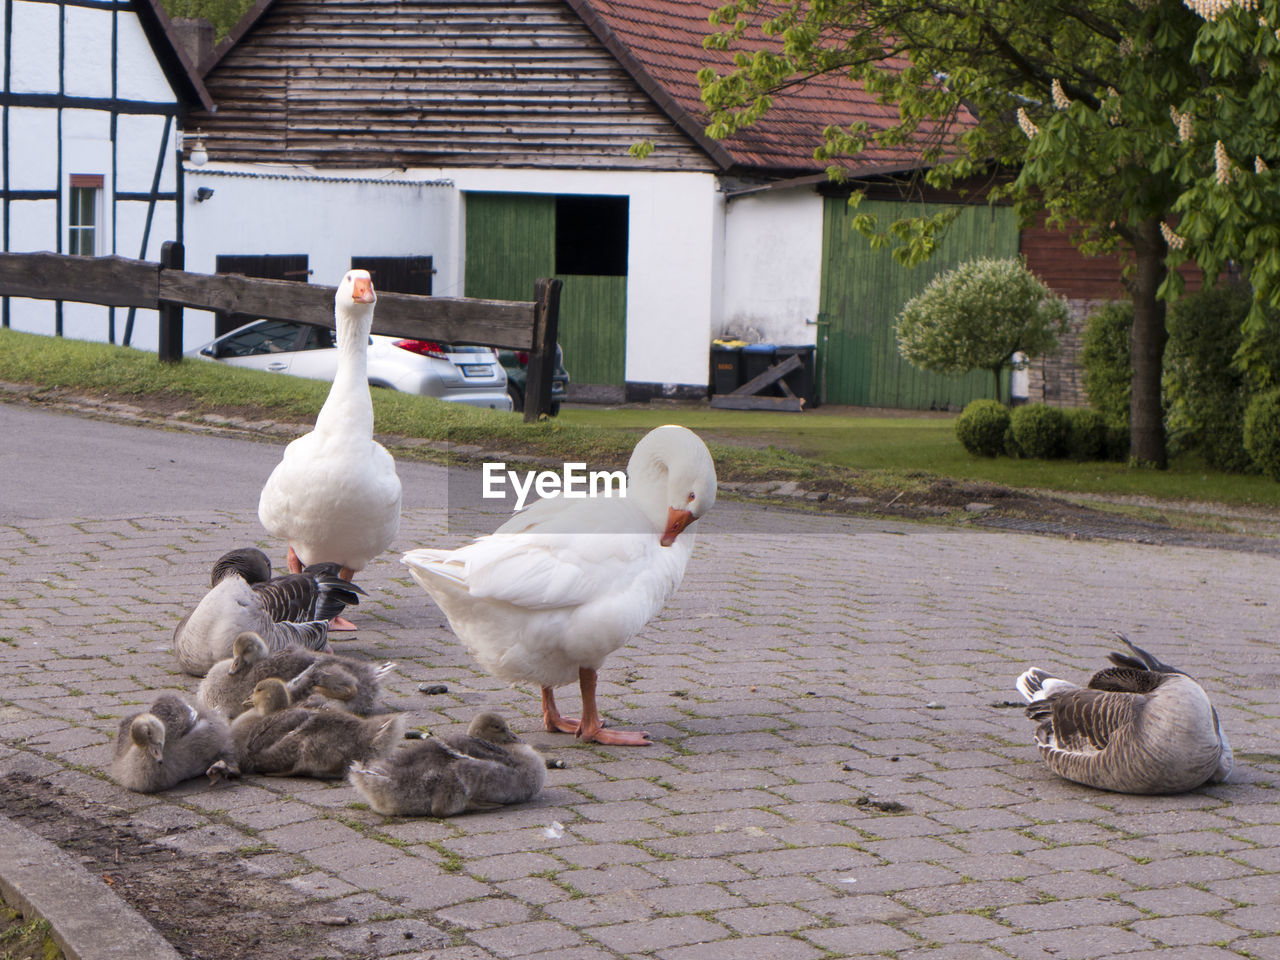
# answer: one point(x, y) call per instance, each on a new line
point(203, 194)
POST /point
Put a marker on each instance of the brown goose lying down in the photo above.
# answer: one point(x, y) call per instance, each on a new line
point(483, 769)
point(1140, 726)
point(294, 608)
point(278, 739)
point(355, 686)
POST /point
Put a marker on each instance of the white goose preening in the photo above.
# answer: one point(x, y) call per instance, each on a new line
point(278, 739)
point(335, 495)
point(356, 685)
point(564, 583)
point(485, 768)
point(1140, 726)
point(170, 742)
point(291, 609)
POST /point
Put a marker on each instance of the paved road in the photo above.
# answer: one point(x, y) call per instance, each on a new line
point(837, 773)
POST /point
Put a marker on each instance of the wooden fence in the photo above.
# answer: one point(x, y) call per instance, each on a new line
point(118, 282)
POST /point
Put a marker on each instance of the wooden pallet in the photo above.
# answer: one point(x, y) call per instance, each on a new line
point(746, 397)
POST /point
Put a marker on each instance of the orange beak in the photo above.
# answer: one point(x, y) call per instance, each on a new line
point(677, 520)
point(362, 290)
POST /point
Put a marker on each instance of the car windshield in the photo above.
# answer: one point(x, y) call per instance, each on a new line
point(268, 336)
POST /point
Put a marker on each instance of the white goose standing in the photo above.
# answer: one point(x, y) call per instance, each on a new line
point(335, 496)
point(1140, 726)
point(561, 585)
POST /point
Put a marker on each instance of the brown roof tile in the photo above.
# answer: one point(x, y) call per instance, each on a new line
point(665, 39)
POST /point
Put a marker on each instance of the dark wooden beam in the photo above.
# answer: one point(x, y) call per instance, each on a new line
point(542, 355)
point(735, 401)
point(119, 282)
point(172, 257)
point(113, 281)
point(772, 375)
point(500, 323)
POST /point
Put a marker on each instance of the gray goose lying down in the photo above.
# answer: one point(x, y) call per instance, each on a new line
point(295, 608)
point(482, 769)
point(170, 742)
point(287, 741)
point(1141, 726)
point(356, 686)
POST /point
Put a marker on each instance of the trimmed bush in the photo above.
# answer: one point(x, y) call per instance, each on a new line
point(1117, 447)
point(1086, 434)
point(1105, 359)
point(980, 427)
point(977, 316)
point(1039, 430)
point(1262, 432)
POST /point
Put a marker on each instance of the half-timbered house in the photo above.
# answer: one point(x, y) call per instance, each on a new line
point(94, 92)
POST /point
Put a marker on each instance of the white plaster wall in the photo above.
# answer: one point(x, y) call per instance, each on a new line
point(86, 148)
point(138, 146)
point(673, 291)
point(138, 74)
point(772, 266)
point(88, 34)
point(34, 48)
point(330, 221)
point(35, 165)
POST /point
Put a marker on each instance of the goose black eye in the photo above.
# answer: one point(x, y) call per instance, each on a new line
point(691, 498)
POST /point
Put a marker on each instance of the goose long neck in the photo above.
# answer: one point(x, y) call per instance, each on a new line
point(647, 482)
point(349, 405)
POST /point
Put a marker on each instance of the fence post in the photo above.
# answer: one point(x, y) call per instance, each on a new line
point(172, 257)
point(542, 356)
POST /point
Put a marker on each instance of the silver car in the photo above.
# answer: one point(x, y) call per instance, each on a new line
point(470, 375)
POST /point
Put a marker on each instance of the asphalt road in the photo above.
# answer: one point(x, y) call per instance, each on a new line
point(55, 464)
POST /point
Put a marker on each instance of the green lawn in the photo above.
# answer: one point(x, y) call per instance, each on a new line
point(830, 444)
point(901, 445)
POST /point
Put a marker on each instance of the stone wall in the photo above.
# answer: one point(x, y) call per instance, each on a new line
point(1059, 380)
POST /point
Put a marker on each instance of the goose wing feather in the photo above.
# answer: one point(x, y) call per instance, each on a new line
point(1083, 721)
point(306, 596)
point(537, 571)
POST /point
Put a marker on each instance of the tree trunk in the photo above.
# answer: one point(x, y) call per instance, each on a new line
point(1146, 348)
point(996, 372)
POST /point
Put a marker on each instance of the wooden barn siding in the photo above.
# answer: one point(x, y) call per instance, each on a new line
point(479, 83)
point(510, 243)
point(864, 290)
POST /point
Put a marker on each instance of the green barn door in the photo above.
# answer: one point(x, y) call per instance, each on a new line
point(512, 239)
point(863, 291)
point(510, 244)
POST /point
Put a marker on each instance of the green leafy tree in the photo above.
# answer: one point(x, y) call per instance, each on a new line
point(223, 14)
point(1136, 124)
point(977, 316)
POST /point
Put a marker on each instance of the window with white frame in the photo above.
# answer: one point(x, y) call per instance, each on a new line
point(84, 214)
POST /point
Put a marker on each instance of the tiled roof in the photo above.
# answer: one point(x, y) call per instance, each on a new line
point(663, 39)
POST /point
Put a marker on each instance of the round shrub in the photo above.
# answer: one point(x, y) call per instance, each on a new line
point(980, 427)
point(1105, 359)
point(977, 316)
point(1262, 432)
point(1086, 434)
point(1039, 430)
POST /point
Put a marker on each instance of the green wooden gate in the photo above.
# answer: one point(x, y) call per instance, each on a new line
point(863, 291)
point(511, 241)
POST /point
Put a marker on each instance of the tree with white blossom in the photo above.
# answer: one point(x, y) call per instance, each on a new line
point(1146, 127)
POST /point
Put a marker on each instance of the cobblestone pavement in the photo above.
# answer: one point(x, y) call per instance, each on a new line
point(839, 770)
